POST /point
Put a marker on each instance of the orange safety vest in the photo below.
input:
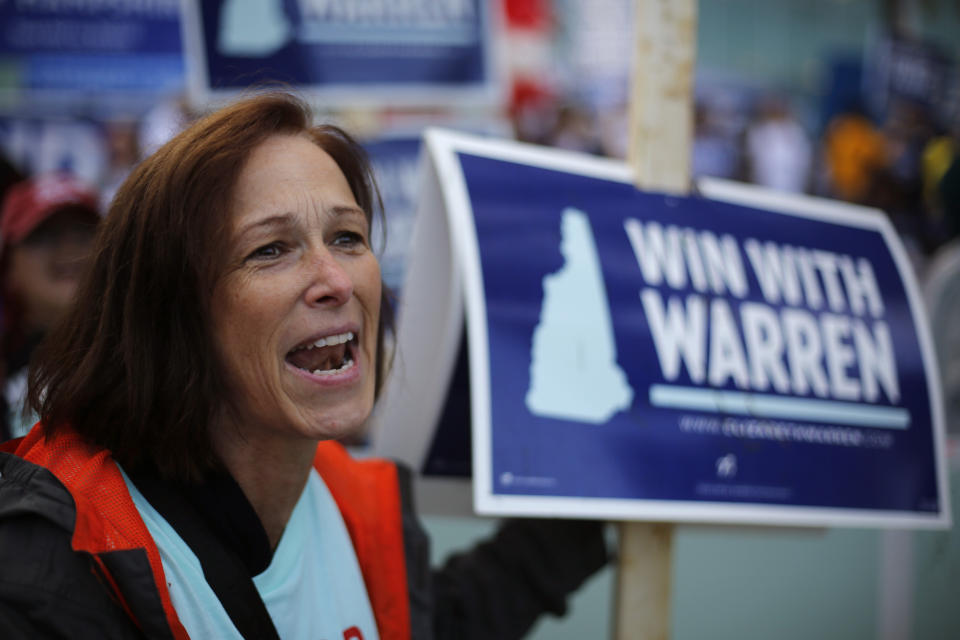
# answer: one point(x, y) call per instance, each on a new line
point(367, 493)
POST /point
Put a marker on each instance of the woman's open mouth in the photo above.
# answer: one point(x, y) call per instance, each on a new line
point(327, 356)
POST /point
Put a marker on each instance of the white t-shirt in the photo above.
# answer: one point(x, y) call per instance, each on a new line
point(19, 418)
point(313, 588)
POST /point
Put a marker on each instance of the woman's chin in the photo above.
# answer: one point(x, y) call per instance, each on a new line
point(347, 423)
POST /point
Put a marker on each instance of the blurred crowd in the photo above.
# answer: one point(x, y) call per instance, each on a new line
point(48, 224)
point(49, 212)
point(906, 163)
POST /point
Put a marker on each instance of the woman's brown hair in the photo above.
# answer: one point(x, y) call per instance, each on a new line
point(132, 367)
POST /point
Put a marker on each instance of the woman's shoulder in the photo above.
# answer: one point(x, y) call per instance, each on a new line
point(41, 572)
point(28, 489)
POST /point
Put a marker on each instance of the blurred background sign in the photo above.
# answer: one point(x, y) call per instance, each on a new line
point(395, 162)
point(416, 52)
point(60, 56)
point(907, 69)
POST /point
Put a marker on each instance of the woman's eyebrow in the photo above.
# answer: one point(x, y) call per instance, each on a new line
point(286, 220)
point(275, 221)
point(347, 209)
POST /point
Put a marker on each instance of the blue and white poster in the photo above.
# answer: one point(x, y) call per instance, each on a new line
point(343, 51)
point(395, 161)
point(736, 356)
point(65, 51)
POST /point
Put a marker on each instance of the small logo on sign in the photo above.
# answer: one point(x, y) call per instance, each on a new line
point(727, 466)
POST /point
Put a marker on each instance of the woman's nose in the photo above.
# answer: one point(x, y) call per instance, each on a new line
point(330, 283)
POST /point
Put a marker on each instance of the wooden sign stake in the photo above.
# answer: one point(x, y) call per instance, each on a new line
point(659, 148)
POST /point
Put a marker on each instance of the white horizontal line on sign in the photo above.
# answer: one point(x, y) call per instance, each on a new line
point(770, 406)
point(333, 33)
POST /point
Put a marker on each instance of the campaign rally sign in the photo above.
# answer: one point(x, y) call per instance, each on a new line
point(395, 162)
point(62, 51)
point(417, 52)
point(736, 356)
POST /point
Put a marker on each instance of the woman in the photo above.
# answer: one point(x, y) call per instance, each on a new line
point(185, 479)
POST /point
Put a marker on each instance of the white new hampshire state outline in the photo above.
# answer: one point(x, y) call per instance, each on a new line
point(573, 365)
point(255, 28)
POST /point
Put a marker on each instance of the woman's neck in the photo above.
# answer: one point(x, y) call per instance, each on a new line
point(272, 472)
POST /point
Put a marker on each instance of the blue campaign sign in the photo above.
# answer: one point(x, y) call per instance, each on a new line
point(743, 357)
point(60, 49)
point(416, 51)
point(395, 161)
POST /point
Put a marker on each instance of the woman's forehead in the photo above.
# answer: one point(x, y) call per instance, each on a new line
point(291, 159)
point(288, 175)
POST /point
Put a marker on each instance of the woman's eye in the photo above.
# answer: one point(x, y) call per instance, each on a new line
point(266, 252)
point(348, 239)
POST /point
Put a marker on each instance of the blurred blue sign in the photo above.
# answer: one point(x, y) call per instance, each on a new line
point(902, 69)
point(395, 163)
point(87, 47)
point(635, 355)
point(417, 51)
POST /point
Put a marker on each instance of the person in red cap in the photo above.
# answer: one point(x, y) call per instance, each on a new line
point(46, 228)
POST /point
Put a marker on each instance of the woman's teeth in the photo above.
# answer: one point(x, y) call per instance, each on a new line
point(347, 363)
point(330, 341)
point(325, 356)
